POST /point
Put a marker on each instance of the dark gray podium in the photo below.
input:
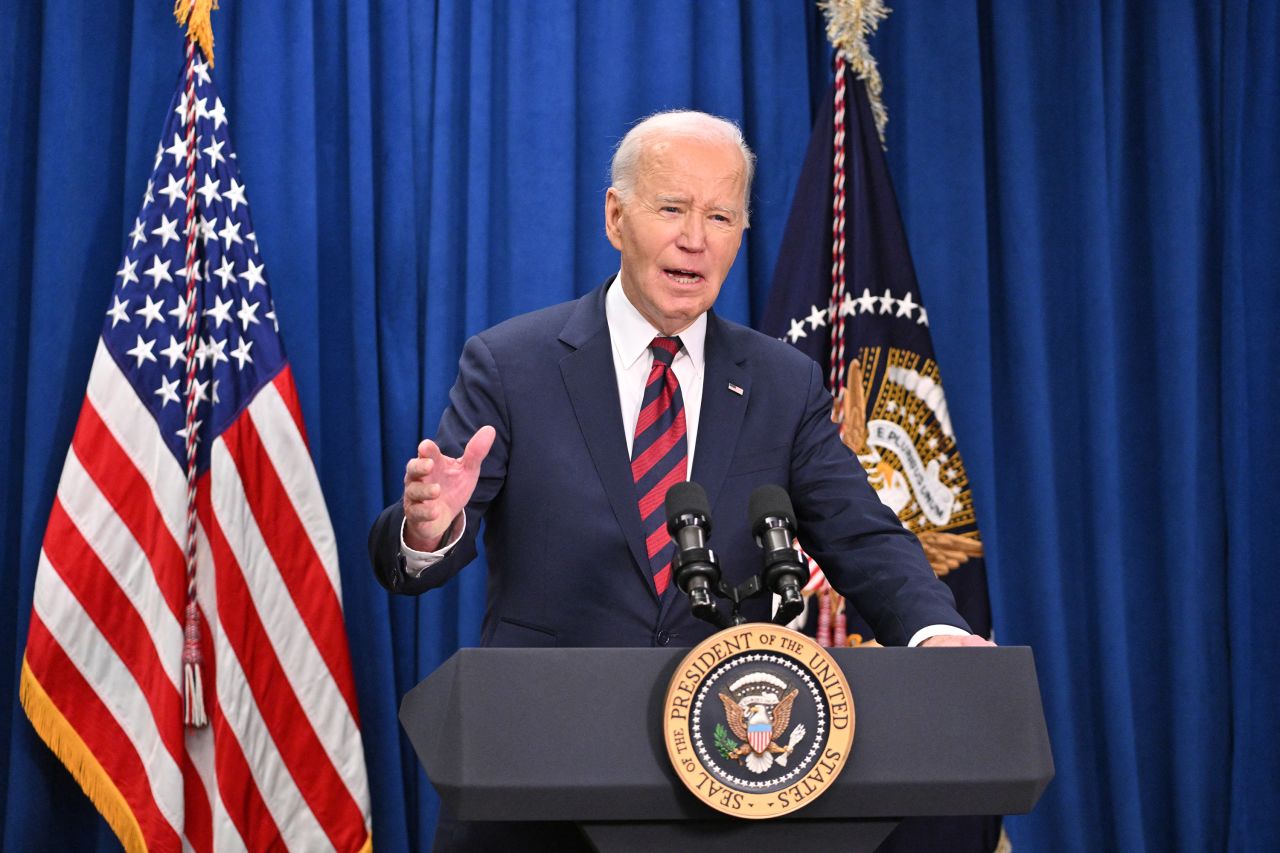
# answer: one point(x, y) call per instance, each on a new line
point(574, 734)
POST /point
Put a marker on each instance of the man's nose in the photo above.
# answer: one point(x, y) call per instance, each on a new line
point(693, 234)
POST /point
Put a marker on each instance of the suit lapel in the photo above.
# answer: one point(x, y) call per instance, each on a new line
point(592, 385)
point(720, 419)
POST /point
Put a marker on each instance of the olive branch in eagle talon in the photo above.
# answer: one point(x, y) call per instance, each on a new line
point(778, 717)
point(725, 745)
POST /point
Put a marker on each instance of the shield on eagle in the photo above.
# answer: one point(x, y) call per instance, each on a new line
point(759, 735)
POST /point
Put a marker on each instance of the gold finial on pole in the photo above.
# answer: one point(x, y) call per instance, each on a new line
point(195, 14)
point(849, 24)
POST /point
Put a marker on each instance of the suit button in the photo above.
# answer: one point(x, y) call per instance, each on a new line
point(662, 638)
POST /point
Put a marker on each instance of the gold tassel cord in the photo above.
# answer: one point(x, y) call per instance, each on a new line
point(196, 14)
point(849, 24)
point(72, 751)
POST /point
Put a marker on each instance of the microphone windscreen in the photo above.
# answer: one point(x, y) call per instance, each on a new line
point(686, 498)
point(770, 501)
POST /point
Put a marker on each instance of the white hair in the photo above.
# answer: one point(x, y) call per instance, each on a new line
point(685, 123)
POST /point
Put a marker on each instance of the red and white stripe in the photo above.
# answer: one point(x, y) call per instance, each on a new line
point(759, 740)
point(281, 763)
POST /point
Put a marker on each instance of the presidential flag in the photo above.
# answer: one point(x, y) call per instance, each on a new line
point(845, 292)
point(233, 572)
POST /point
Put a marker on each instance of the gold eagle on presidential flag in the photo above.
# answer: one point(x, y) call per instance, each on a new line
point(845, 292)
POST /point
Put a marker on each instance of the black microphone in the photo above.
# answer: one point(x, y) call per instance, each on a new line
point(773, 523)
point(694, 567)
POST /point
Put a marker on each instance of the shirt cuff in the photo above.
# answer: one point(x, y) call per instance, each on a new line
point(935, 631)
point(417, 562)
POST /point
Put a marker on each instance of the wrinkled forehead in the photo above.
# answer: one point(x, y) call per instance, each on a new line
point(711, 172)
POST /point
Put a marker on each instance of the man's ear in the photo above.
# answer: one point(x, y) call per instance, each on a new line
point(613, 217)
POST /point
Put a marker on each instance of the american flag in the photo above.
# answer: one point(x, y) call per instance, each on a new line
point(281, 763)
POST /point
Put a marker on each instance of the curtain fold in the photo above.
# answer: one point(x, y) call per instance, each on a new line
point(1090, 191)
point(1103, 287)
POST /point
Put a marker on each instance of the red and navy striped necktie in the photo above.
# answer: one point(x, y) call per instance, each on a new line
point(658, 455)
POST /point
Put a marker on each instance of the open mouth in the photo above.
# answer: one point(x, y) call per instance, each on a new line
point(680, 276)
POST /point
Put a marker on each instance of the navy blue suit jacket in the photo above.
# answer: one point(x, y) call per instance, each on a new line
point(566, 554)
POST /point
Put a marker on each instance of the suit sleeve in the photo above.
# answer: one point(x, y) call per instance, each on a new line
point(865, 552)
point(475, 400)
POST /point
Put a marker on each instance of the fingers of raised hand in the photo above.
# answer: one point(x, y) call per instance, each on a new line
point(419, 469)
point(478, 447)
point(418, 491)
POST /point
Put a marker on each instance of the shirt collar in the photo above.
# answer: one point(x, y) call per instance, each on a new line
point(631, 333)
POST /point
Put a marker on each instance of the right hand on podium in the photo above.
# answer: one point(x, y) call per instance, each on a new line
point(438, 487)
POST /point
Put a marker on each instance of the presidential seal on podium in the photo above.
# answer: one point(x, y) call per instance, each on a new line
point(758, 720)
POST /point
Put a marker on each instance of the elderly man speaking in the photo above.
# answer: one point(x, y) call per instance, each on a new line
point(567, 425)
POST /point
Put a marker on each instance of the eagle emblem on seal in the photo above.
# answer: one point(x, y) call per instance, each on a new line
point(759, 713)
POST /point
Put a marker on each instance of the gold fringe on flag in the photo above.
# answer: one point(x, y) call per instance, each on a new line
point(849, 24)
point(196, 15)
point(66, 743)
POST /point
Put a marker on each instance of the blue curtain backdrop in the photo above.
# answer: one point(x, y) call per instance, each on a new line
point(1091, 191)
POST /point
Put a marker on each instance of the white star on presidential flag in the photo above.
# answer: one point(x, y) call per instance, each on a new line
point(796, 332)
point(886, 301)
point(847, 306)
point(905, 306)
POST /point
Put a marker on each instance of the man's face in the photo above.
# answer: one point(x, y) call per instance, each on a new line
point(680, 230)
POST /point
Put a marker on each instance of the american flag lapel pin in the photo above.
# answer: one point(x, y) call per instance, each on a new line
point(735, 389)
